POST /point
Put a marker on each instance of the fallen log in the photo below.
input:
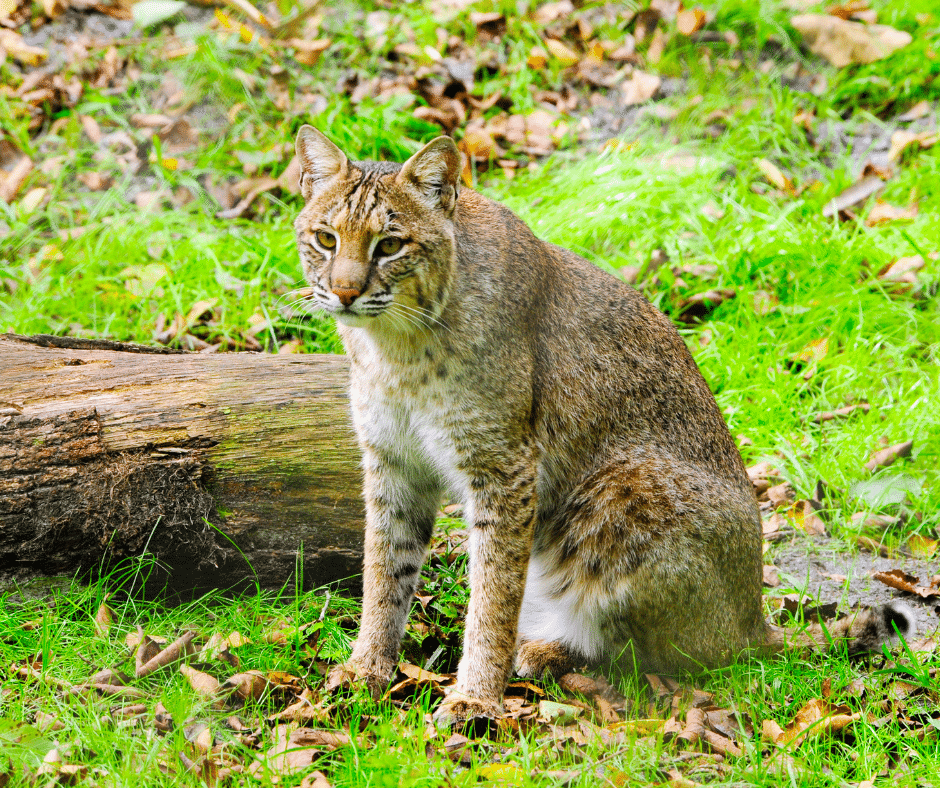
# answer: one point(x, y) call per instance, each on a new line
point(226, 468)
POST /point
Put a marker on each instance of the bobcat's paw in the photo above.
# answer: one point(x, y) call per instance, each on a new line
point(456, 710)
point(535, 658)
point(348, 675)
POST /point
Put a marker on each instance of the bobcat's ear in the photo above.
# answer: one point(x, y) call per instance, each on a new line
point(435, 172)
point(319, 158)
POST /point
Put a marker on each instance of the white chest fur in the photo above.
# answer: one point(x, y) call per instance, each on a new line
point(402, 408)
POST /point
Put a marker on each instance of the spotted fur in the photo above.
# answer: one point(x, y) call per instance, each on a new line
point(610, 515)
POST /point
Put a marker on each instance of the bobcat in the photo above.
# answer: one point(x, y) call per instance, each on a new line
point(609, 512)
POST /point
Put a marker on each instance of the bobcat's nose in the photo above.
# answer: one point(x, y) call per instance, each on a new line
point(346, 295)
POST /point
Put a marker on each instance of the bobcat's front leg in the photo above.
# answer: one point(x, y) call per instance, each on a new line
point(501, 514)
point(401, 503)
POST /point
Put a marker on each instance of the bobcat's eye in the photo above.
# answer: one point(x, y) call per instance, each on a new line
point(325, 239)
point(390, 245)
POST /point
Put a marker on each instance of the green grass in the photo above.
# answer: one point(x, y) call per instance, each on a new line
point(616, 207)
point(55, 633)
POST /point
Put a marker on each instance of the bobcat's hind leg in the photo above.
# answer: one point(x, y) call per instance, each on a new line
point(535, 658)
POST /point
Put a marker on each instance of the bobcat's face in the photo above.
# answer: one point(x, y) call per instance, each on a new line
point(376, 241)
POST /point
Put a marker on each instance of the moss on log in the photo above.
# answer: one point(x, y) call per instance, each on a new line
point(223, 467)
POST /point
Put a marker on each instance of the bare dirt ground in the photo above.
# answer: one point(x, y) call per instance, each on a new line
point(827, 570)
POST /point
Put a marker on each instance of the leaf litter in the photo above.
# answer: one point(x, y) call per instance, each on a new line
point(442, 91)
point(275, 725)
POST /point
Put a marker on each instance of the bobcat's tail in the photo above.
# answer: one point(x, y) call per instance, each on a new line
point(860, 632)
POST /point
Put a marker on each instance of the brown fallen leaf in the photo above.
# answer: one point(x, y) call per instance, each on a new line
point(803, 515)
point(771, 576)
point(16, 47)
point(874, 546)
point(903, 140)
point(774, 176)
point(258, 187)
point(489, 24)
point(873, 522)
point(315, 780)
point(902, 581)
point(814, 351)
point(843, 43)
point(421, 675)
point(839, 413)
point(13, 181)
point(176, 650)
point(303, 710)
point(698, 305)
point(903, 270)
point(819, 717)
point(694, 727)
point(306, 52)
point(919, 110)
point(721, 744)
point(884, 212)
point(856, 193)
point(691, 20)
point(640, 87)
point(547, 13)
point(780, 495)
point(888, 456)
point(104, 618)
point(202, 683)
point(561, 52)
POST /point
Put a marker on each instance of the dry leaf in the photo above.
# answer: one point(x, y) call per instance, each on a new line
point(421, 675)
point(296, 751)
point(903, 140)
point(803, 515)
point(698, 305)
point(548, 12)
point(780, 495)
point(874, 546)
point(771, 576)
point(855, 194)
point(818, 717)
point(902, 581)
point(315, 780)
point(250, 685)
point(306, 52)
point(721, 744)
point(202, 683)
point(904, 269)
point(886, 457)
point(690, 20)
point(919, 110)
point(814, 351)
point(104, 618)
point(13, 181)
point(176, 650)
point(538, 58)
point(883, 213)
point(694, 727)
point(640, 87)
point(840, 413)
point(843, 43)
point(561, 52)
point(17, 48)
point(654, 52)
point(773, 174)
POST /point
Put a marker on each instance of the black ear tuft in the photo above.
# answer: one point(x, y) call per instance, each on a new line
point(435, 172)
point(319, 158)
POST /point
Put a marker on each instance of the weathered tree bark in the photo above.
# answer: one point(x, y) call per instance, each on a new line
point(226, 468)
